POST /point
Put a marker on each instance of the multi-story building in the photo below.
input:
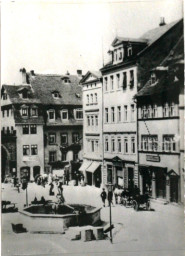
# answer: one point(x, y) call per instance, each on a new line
point(160, 127)
point(22, 131)
point(128, 69)
point(43, 120)
point(92, 133)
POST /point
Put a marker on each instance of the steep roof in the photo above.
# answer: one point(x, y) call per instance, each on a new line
point(70, 93)
point(14, 90)
point(154, 34)
point(96, 74)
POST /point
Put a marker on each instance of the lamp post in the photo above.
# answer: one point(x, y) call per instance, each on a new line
point(25, 185)
point(109, 185)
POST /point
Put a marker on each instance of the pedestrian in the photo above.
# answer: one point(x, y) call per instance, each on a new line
point(103, 196)
point(51, 193)
point(116, 192)
point(110, 195)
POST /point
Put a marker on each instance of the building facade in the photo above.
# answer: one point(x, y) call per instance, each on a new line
point(43, 120)
point(92, 124)
point(160, 111)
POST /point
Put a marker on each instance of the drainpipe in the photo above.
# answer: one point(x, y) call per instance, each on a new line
point(102, 132)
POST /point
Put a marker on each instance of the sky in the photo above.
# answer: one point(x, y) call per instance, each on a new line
point(59, 36)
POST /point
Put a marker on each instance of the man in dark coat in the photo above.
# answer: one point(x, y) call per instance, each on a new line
point(110, 195)
point(103, 196)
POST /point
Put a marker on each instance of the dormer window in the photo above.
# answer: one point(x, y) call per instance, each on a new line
point(5, 96)
point(79, 114)
point(56, 94)
point(129, 51)
point(23, 93)
point(153, 78)
point(34, 111)
point(24, 111)
point(77, 95)
point(51, 115)
point(64, 114)
point(66, 79)
point(115, 55)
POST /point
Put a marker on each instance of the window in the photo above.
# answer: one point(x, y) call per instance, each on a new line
point(24, 111)
point(63, 138)
point(25, 129)
point(172, 111)
point(131, 79)
point(3, 112)
point(125, 145)
point(75, 156)
point(96, 98)
point(166, 110)
point(150, 112)
point(34, 150)
point(79, 114)
point(124, 80)
point(64, 113)
point(87, 99)
point(115, 55)
point(144, 142)
point(96, 120)
point(125, 113)
point(51, 114)
point(106, 144)
point(56, 95)
point(64, 156)
point(133, 144)
point(75, 137)
point(52, 138)
point(26, 150)
point(88, 121)
point(33, 129)
point(5, 96)
point(149, 142)
point(92, 145)
point(34, 111)
point(7, 112)
point(119, 113)
point(132, 112)
point(120, 54)
point(112, 82)
point(25, 94)
point(129, 51)
point(119, 144)
point(106, 84)
point(155, 112)
point(92, 120)
point(113, 144)
point(92, 100)
point(169, 143)
point(144, 112)
point(153, 78)
point(106, 115)
point(96, 145)
point(112, 114)
point(52, 156)
point(118, 80)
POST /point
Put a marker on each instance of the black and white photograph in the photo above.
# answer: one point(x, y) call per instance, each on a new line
point(92, 128)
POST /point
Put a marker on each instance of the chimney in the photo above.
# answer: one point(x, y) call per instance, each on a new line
point(162, 22)
point(23, 71)
point(79, 72)
point(32, 73)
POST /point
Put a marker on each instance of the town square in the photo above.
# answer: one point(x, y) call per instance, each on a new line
point(92, 128)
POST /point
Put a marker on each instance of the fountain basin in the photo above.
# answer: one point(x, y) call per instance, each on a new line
point(44, 218)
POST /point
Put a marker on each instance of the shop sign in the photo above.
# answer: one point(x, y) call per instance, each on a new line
point(152, 158)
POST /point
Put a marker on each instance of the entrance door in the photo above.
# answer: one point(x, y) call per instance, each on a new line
point(97, 177)
point(119, 176)
point(160, 183)
point(147, 182)
point(130, 178)
point(174, 188)
point(89, 178)
point(36, 171)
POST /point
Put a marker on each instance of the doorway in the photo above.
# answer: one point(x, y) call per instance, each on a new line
point(130, 178)
point(36, 171)
point(174, 188)
point(97, 177)
point(160, 183)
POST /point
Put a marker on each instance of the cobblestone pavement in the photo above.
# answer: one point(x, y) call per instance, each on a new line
point(158, 232)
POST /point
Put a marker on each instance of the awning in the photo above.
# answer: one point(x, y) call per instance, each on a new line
point(85, 165)
point(93, 167)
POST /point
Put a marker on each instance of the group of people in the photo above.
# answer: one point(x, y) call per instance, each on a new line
point(119, 194)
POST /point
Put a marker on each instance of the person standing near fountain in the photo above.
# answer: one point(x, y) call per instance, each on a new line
point(51, 193)
point(60, 193)
point(103, 196)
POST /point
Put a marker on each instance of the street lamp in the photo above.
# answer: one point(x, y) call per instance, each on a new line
point(25, 185)
point(110, 185)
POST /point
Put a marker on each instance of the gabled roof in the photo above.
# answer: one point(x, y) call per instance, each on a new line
point(154, 34)
point(44, 85)
point(120, 39)
point(13, 92)
point(95, 74)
